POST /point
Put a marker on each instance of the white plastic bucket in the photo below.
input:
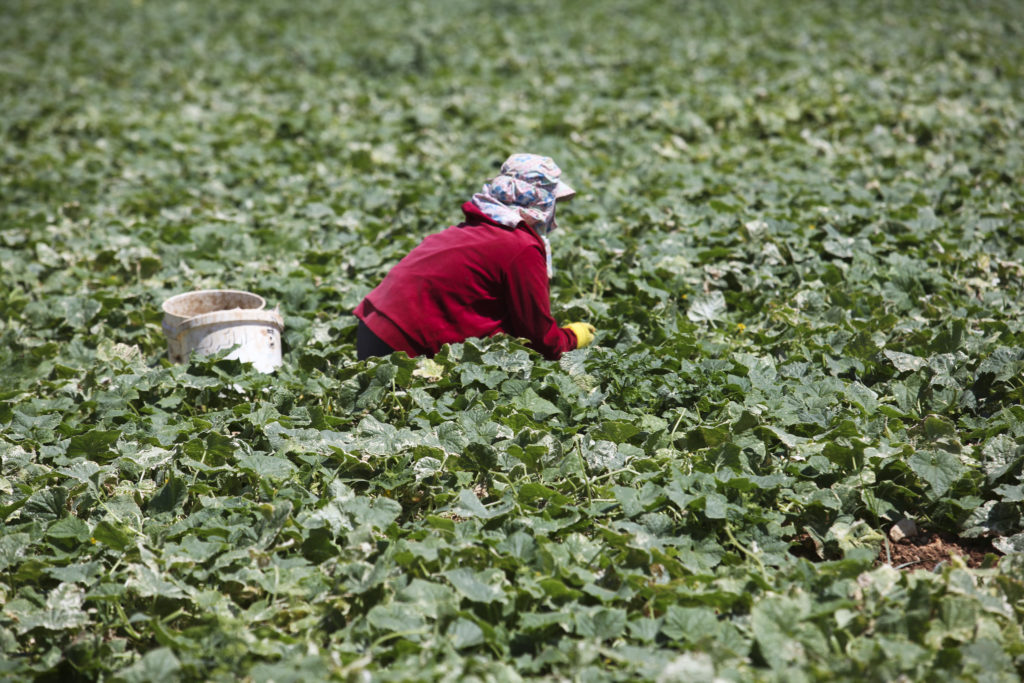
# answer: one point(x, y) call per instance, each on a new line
point(216, 319)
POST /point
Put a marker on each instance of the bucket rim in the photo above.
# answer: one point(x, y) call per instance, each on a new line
point(240, 316)
point(184, 295)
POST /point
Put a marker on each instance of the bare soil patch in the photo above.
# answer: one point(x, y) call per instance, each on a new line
point(928, 549)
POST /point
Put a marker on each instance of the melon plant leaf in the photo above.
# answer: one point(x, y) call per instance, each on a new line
point(13, 547)
point(159, 664)
point(600, 623)
point(269, 466)
point(46, 504)
point(465, 633)
point(689, 624)
point(62, 610)
point(95, 443)
point(1011, 544)
point(1000, 454)
point(707, 308)
point(540, 408)
point(938, 468)
point(477, 586)
point(905, 362)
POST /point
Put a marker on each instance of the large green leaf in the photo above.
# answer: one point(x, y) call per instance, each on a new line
point(477, 586)
point(708, 308)
point(939, 469)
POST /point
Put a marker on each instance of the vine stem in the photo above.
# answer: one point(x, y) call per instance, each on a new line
point(127, 626)
point(583, 472)
point(394, 636)
point(748, 553)
point(676, 425)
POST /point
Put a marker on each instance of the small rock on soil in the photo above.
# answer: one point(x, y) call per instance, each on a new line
point(903, 529)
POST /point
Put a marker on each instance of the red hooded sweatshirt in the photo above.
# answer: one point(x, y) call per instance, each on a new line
point(475, 279)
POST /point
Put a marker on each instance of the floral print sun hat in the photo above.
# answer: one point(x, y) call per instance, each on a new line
point(525, 191)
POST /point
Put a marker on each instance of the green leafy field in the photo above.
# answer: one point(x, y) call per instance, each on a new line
point(799, 232)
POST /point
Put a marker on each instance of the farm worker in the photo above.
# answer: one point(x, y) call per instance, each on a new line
point(485, 276)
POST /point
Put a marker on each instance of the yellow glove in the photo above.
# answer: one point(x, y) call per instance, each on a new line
point(584, 333)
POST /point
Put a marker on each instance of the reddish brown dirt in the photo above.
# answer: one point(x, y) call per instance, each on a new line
point(924, 551)
point(928, 549)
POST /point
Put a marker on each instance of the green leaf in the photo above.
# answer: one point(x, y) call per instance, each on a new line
point(159, 664)
point(170, 497)
point(430, 599)
point(147, 583)
point(70, 528)
point(601, 623)
point(93, 444)
point(267, 466)
point(708, 308)
point(79, 311)
point(465, 634)
point(540, 408)
point(1003, 363)
point(1011, 494)
point(1000, 454)
point(905, 362)
point(62, 611)
point(82, 471)
point(111, 535)
point(377, 512)
point(482, 587)
point(783, 634)
point(377, 438)
point(715, 506)
point(429, 370)
point(470, 506)
point(604, 456)
point(1010, 544)
point(395, 617)
point(689, 624)
point(938, 468)
point(618, 431)
point(12, 548)
point(516, 361)
point(86, 573)
point(46, 504)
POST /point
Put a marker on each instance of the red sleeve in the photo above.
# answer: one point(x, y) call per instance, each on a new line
point(529, 305)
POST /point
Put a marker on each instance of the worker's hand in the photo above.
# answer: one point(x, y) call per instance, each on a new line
point(584, 333)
